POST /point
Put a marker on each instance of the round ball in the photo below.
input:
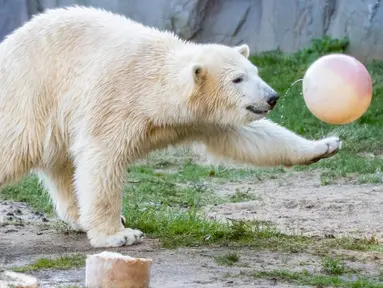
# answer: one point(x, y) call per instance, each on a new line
point(337, 89)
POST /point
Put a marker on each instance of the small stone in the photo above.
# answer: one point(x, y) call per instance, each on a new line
point(12, 279)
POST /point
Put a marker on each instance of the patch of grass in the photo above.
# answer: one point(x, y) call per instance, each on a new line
point(333, 266)
point(30, 191)
point(322, 46)
point(348, 243)
point(370, 178)
point(227, 260)
point(175, 228)
point(61, 263)
point(306, 278)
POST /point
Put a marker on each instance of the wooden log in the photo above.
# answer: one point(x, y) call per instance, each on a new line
point(113, 270)
point(18, 280)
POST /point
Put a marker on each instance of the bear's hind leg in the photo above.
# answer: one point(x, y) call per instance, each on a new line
point(99, 179)
point(59, 183)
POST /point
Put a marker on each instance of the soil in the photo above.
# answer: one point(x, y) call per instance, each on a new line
point(298, 204)
point(295, 203)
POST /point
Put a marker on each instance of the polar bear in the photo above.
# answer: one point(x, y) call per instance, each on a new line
point(85, 92)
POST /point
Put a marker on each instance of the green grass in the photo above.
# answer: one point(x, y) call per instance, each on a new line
point(29, 190)
point(61, 263)
point(306, 278)
point(175, 229)
point(333, 266)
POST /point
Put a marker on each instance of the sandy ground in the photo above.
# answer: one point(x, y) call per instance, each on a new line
point(298, 204)
point(295, 203)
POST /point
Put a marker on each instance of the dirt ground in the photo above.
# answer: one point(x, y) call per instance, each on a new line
point(298, 204)
point(295, 203)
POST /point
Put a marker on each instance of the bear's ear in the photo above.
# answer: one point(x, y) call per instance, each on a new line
point(198, 71)
point(244, 50)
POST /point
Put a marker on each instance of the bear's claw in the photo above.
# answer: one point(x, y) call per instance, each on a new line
point(123, 221)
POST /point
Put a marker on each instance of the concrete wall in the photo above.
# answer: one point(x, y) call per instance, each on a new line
point(263, 24)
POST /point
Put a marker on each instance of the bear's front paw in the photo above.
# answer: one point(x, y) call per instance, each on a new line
point(125, 237)
point(325, 148)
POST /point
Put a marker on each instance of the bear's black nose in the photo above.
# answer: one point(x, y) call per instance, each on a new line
point(272, 99)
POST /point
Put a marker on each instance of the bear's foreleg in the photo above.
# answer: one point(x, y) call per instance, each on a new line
point(264, 143)
point(99, 179)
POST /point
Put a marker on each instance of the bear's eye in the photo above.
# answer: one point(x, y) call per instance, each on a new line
point(238, 80)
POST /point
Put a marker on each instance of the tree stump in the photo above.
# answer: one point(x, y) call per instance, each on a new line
point(113, 270)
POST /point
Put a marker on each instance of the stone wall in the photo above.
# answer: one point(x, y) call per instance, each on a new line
point(263, 24)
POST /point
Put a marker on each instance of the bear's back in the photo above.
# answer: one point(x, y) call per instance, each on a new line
point(74, 34)
point(72, 49)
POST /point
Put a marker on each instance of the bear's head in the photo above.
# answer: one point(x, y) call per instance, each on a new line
point(225, 87)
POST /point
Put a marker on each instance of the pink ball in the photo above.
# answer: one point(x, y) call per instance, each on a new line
point(337, 89)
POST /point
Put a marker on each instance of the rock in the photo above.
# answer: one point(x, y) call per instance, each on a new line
point(263, 24)
point(10, 279)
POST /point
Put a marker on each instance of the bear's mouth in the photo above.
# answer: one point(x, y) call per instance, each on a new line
point(255, 110)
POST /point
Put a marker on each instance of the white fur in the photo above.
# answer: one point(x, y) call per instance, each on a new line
point(84, 93)
point(264, 143)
